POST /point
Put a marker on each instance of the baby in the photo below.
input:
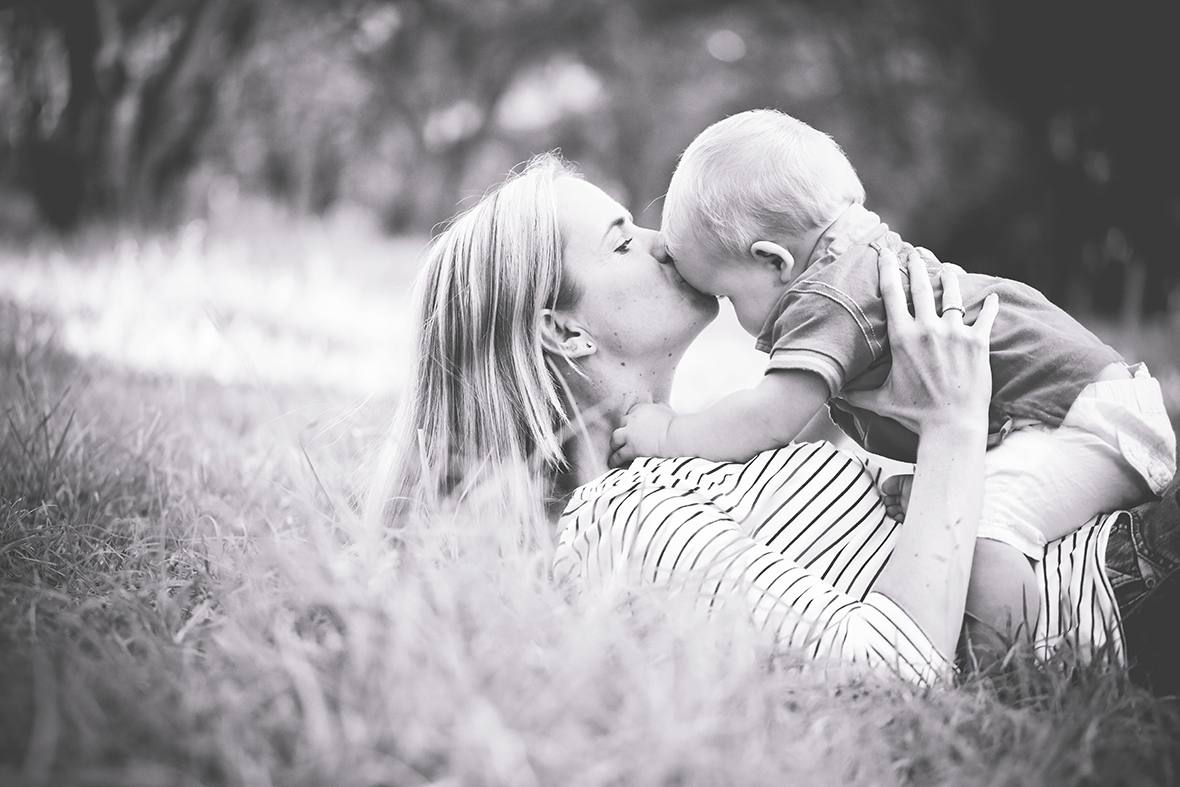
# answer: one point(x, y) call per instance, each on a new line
point(768, 212)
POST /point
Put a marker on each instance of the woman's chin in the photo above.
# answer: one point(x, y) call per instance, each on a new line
point(704, 309)
point(686, 312)
point(710, 307)
point(706, 305)
point(700, 300)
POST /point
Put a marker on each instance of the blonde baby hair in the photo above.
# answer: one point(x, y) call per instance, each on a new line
point(756, 175)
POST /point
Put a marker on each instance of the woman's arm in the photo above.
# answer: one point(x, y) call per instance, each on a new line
point(940, 384)
point(658, 534)
point(928, 572)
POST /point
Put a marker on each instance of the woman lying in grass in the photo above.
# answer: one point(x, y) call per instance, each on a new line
point(546, 314)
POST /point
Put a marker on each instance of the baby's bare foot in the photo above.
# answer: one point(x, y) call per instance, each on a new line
point(896, 491)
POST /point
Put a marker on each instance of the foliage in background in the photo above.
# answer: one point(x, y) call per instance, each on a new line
point(107, 104)
point(1031, 142)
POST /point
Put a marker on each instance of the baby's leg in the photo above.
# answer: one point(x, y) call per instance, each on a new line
point(1002, 601)
point(1040, 484)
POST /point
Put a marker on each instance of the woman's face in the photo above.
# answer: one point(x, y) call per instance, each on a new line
point(630, 299)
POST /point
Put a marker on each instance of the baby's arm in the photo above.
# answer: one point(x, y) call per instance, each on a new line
point(769, 415)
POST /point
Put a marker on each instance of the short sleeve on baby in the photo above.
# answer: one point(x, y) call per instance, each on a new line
point(830, 322)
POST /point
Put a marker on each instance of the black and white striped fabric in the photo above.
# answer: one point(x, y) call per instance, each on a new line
point(799, 535)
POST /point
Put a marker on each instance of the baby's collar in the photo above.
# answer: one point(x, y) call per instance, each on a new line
point(827, 233)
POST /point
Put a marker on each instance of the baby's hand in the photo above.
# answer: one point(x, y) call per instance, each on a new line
point(896, 492)
point(644, 433)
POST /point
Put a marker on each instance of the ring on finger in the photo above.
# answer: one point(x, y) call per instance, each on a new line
point(958, 309)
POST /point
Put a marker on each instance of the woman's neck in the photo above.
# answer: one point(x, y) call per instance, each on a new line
point(603, 397)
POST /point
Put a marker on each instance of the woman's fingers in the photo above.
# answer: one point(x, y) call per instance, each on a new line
point(987, 316)
point(920, 289)
point(952, 297)
point(892, 289)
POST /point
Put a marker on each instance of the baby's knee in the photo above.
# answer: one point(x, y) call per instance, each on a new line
point(1002, 594)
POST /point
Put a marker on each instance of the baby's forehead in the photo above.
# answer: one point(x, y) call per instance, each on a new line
point(698, 258)
point(692, 239)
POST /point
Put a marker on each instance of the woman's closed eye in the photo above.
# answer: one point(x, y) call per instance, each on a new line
point(624, 247)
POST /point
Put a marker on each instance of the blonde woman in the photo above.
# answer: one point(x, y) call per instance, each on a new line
point(546, 313)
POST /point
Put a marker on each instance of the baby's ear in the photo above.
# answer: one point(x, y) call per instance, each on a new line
point(768, 251)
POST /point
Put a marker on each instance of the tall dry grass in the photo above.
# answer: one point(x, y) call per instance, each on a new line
point(188, 599)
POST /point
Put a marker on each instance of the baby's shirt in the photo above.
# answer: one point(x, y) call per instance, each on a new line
point(831, 321)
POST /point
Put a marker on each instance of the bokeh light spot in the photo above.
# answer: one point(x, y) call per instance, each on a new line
point(726, 45)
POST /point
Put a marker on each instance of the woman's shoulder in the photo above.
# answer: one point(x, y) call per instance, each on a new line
point(686, 476)
point(649, 476)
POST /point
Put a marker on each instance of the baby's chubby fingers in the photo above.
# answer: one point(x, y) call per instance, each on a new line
point(895, 492)
point(621, 450)
point(645, 428)
point(897, 485)
point(618, 438)
point(621, 458)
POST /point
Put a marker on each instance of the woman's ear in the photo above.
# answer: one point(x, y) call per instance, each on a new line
point(777, 255)
point(562, 335)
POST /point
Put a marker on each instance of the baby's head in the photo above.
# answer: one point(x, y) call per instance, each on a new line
point(746, 194)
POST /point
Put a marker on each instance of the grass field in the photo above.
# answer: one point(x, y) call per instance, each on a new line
point(186, 598)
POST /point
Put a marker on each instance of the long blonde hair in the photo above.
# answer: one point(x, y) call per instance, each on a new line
point(483, 397)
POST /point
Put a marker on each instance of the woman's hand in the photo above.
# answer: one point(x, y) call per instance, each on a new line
point(940, 373)
point(939, 386)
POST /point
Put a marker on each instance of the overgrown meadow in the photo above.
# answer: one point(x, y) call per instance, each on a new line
point(187, 597)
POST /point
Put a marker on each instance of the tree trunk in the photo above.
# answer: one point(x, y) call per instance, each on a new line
point(65, 166)
point(179, 102)
point(119, 147)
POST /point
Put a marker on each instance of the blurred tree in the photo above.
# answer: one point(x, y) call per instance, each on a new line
point(116, 97)
point(301, 110)
point(1094, 197)
point(1031, 141)
point(866, 75)
point(442, 67)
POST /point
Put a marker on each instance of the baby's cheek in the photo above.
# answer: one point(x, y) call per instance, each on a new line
point(746, 316)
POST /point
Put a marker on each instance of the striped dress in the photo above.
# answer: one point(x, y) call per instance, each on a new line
point(799, 535)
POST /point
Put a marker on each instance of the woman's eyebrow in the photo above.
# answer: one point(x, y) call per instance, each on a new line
point(617, 223)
